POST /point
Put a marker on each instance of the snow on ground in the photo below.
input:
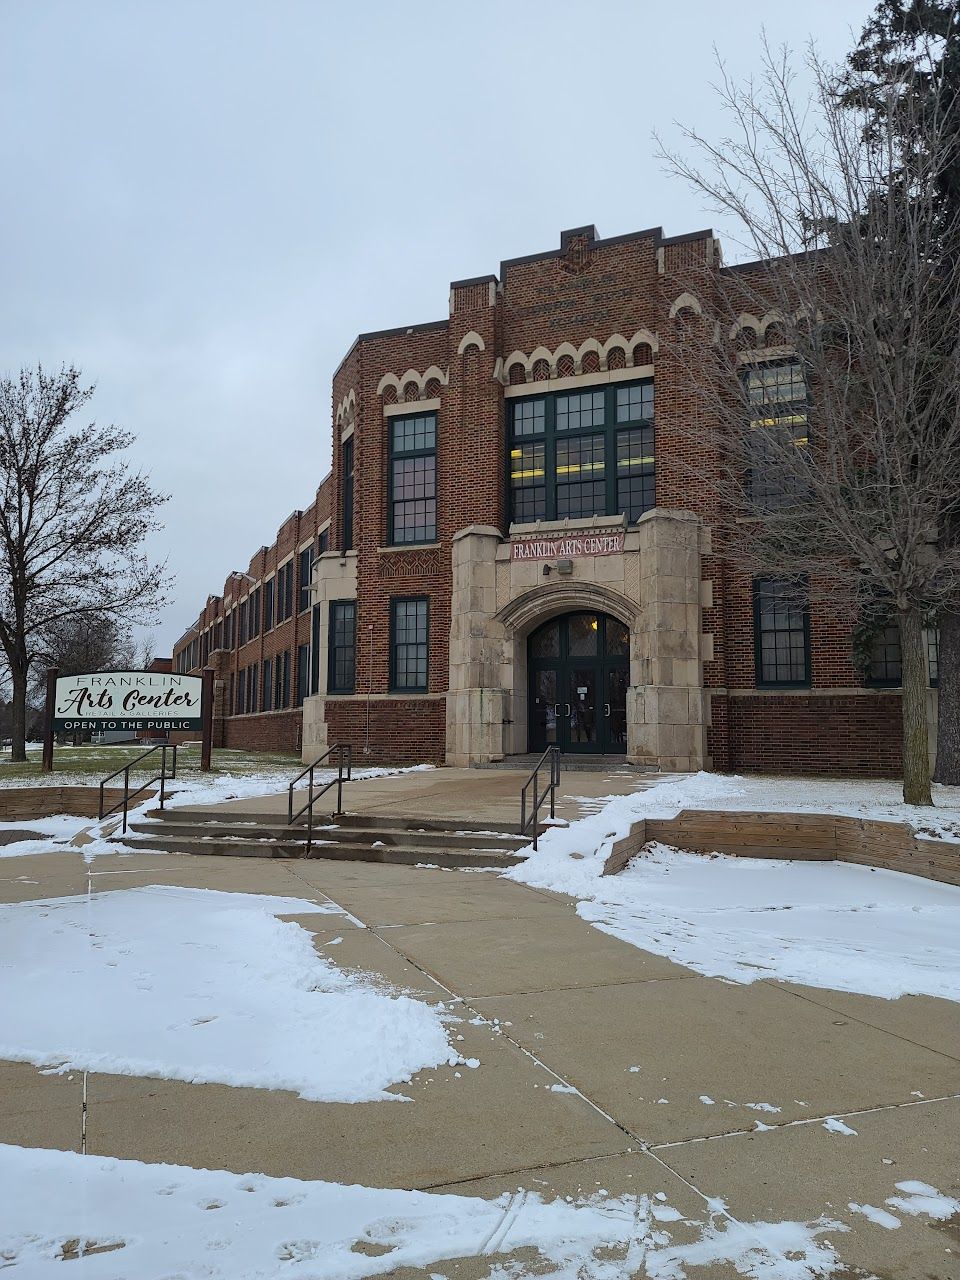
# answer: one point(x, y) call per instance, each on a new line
point(60, 829)
point(852, 797)
point(824, 924)
point(154, 1221)
point(207, 987)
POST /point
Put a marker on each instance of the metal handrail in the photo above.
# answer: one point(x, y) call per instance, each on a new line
point(553, 755)
point(128, 795)
point(344, 757)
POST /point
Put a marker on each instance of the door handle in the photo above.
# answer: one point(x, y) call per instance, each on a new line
point(556, 708)
point(606, 708)
point(568, 710)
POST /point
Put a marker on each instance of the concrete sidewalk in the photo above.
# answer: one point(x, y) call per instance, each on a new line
point(473, 795)
point(598, 1064)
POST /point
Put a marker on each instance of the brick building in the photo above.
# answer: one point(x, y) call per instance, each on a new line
point(509, 551)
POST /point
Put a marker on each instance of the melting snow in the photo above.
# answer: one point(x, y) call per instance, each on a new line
point(824, 924)
point(154, 1221)
point(202, 986)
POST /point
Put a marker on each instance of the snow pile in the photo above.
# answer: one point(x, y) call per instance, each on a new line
point(202, 986)
point(153, 1221)
point(824, 924)
point(61, 829)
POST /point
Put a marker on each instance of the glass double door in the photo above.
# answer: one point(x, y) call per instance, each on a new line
point(579, 668)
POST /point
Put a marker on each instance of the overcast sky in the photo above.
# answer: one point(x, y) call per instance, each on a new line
point(206, 200)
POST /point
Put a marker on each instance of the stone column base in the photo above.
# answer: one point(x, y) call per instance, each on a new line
point(475, 719)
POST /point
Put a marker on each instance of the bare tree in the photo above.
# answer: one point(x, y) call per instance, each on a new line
point(852, 282)
point(73, 519)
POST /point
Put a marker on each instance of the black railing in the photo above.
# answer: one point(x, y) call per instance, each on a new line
point(128, 795)
point(344, 756)
point(552, 754)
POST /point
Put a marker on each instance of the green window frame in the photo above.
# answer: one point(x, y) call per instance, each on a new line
point(778, 399)
point(342, 647)
point(409, 644)
point(781, 630)
point(886, 670)
point(412, 480)
point(304, 575)
point(582, 453)
point(269, 588)
point(303, 673)
point(267, 684)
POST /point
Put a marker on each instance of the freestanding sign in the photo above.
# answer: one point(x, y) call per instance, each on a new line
point(109, 700)
point(102, 701)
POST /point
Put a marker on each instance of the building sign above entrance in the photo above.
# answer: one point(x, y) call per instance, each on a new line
point(590, 544)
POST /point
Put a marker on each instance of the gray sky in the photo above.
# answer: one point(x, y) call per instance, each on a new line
point(205, 201)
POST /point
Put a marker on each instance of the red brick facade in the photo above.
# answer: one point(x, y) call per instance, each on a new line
point(594, 309)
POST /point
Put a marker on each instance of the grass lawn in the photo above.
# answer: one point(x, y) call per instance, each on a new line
point(90, 764)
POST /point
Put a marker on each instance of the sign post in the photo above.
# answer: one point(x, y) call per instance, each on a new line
point(206, 734)
point(52, 673)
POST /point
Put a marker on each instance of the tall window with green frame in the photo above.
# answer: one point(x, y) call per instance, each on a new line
point(409, 644)
point(583, 454)
point(413, 479)
point(779, 415)
point(781, 633)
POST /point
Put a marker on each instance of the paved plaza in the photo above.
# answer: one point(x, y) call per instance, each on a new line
point(601, 1066)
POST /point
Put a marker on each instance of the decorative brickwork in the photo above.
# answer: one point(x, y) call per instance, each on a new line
point(590, 314)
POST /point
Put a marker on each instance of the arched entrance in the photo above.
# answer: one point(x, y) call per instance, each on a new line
point(579, 668)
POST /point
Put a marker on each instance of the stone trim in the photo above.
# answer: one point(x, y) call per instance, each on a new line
point(410, 407)
point(578, 380)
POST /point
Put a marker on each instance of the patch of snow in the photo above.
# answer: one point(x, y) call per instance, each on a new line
point(203, 986)
point(920, 1197)
point(823, 924)
point(707, 1101)
point(153, 1221)
point(761, 1106)
point(879, 1216)
point(833, 1125)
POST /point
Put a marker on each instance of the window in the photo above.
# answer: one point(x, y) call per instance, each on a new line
point(304, 572)
point(885, 660)
point(413, 479)
point(341, 649)
point(241, 701)
point(315, 650)
point(885, 665)
point(346, 495)
point(252, 704)
point(583, 454)
point(778, 400)
point(242, 624)
point(303, 672)
point(782, 634)
point(408, 645)
point(253, 623)
point(281, 681)
point(228, 631)
point(323, 542)
point(267, 684)
point(268, 590)
point(285, 591)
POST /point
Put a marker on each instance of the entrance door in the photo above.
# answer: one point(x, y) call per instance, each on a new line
point(578, 668)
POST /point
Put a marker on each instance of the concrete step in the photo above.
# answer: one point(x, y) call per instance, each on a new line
point(202, 817)
point(374, 850)
point(368, 833)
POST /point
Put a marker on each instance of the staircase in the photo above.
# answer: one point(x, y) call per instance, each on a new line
point(352, 837)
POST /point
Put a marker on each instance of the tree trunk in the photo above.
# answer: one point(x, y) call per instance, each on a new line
point(916, 758)
point(18, 710)
point(948, 702)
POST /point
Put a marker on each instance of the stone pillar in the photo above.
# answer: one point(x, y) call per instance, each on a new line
point(334, 578)
point(476, 701)
point(668, 701)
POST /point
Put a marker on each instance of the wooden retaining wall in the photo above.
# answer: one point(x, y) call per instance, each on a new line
point(815, 837)
point(20, 804)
